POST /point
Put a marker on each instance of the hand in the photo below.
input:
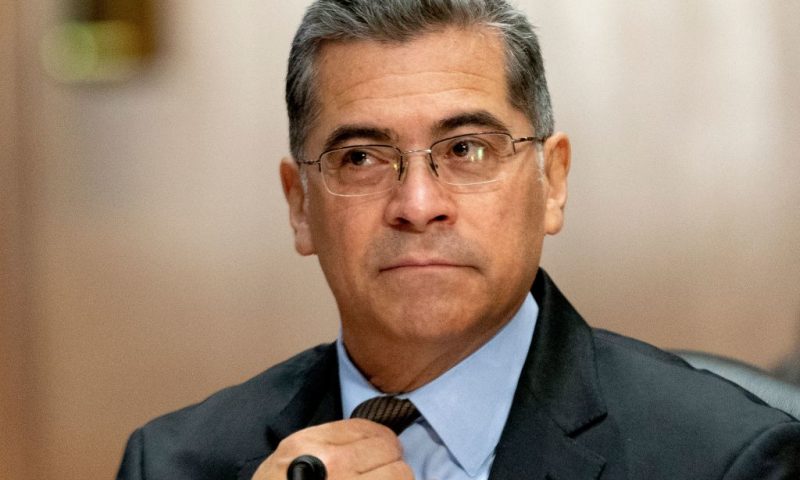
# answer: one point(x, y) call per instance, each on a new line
point(350, 449)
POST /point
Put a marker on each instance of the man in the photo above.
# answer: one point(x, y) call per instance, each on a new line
point(426, 173)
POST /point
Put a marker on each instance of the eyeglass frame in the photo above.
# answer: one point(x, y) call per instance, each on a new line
point(404, 154)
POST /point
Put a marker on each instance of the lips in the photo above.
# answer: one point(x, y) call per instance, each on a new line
point(419, 263)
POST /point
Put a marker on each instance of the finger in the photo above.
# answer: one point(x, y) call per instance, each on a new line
point(363, 455)
point(398, 470)
point(343, 432)
point(346, 446)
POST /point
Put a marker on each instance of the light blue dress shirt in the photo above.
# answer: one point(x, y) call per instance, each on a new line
point(463, 410)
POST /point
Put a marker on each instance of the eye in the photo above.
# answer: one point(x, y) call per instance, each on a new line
point(467, 150)
point(357, 158)
point(462, 148)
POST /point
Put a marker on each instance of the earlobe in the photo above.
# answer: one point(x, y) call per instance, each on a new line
point(557, 153)
point(298, 209)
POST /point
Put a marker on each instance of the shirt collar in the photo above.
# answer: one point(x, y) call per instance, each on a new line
point(467, 405)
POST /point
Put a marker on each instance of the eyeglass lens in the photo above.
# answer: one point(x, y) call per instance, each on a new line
point(462, 160)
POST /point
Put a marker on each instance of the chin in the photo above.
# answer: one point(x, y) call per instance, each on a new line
point(425, 322)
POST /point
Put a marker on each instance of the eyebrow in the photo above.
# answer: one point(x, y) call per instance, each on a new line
point(478, 118)
point(343, 133)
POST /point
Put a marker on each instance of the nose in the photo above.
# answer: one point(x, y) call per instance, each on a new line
point(420, 200)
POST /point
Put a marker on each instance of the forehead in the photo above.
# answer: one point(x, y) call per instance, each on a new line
point(424, 79)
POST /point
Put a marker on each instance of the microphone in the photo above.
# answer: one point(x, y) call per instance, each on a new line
point(306, 467)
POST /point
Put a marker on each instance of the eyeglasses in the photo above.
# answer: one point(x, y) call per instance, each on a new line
point(463, 160)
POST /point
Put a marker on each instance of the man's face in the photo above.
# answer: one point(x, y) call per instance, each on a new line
point(425, 263)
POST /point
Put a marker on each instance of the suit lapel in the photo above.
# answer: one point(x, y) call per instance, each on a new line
point(537, 448)
point(316, 402)
point(557, 398)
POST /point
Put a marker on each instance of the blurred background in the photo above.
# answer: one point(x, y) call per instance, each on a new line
point(145, 254)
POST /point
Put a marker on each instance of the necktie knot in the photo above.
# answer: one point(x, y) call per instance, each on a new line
point(388, 410)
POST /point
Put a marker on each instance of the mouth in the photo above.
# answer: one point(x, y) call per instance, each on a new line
point(421, 265)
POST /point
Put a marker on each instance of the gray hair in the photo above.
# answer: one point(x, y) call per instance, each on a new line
point(402, 21)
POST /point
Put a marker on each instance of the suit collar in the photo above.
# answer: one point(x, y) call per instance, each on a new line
point(557, 398)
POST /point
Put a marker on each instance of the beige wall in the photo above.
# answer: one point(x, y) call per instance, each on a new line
point(13, 355)
point(160, 260)
point(684, 223)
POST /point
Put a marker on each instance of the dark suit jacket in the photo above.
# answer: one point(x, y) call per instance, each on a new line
point(590, 405)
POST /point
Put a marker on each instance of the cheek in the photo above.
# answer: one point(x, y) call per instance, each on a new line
point(517, 226)
point(330, 237)
point(532, 207)
point(517, 210)
point(341, 230)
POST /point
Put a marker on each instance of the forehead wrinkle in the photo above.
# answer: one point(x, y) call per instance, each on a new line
point(407, 95)
point(394, 80)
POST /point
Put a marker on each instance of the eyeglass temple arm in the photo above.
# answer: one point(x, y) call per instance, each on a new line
point(528, 139)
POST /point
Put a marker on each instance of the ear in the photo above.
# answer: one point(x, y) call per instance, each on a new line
point(298, 207)
point(557, 153)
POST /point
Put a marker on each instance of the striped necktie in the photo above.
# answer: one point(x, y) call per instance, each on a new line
point(388, 410)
